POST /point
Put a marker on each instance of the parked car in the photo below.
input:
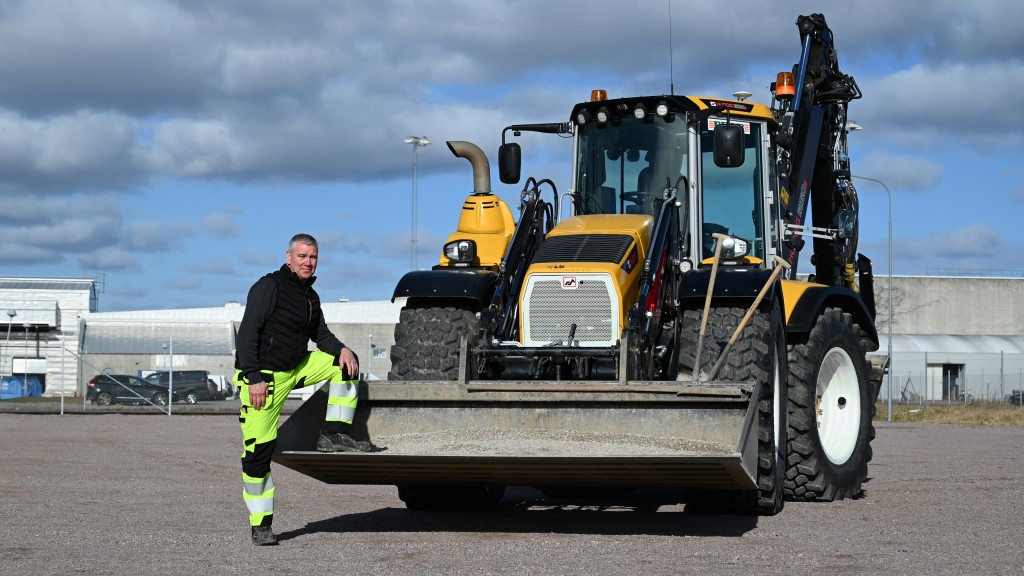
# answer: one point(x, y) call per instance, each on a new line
point(1016, 397)
point(191, 385)
point(107, 389)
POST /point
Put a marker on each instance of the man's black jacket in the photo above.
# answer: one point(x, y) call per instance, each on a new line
point(282, 314)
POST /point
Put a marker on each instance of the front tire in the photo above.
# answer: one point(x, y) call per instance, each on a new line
point(440, 498)
point(427, 348)
point(160, 399)
point(759, 355)
point(831, 409)
point(427, 343)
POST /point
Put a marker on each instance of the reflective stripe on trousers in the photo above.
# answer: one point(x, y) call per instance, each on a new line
point(258, 494)
point(341, 401)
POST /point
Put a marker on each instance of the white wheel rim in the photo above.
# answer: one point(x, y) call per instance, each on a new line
point(838, 405)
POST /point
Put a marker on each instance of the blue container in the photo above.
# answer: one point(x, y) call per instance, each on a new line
point(13, 387)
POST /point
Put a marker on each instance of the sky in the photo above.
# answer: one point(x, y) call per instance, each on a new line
point(170, 149)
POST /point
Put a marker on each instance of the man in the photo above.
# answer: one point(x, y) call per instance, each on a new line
point(282, 314)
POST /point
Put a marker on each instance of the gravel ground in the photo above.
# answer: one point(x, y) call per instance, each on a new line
point(136, 494)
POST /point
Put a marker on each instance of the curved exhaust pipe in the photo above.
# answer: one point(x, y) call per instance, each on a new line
point(476, 157)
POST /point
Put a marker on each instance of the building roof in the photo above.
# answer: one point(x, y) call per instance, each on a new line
point(364, 312)
point(46, 283)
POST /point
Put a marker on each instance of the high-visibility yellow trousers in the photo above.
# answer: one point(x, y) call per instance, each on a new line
point(259, 427)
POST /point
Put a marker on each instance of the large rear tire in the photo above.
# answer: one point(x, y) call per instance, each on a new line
point(831, 408)
point(759, 356)
point(427, 348)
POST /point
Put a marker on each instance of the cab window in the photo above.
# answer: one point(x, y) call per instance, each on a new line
point(732, 197)
point(623, 168)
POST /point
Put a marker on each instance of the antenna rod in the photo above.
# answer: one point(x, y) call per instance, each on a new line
point(671, 63)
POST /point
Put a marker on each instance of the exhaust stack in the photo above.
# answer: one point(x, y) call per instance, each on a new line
point(476, 157)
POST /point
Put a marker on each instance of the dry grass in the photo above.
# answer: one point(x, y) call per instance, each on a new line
point(974, 414)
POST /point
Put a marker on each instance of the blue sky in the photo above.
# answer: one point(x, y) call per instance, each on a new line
point(172, 148)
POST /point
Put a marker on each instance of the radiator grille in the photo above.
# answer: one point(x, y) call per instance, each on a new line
point(550, 310)
point(585, 248)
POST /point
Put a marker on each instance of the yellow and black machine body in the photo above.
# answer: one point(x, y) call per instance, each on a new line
point(656, 296)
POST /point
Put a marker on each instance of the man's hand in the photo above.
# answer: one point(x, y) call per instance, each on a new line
point(258, 395)
point(347, 360)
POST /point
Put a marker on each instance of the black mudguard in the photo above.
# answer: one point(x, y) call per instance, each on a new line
point(740, 285)
point(476, 285)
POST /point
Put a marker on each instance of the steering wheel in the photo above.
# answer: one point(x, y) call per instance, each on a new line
point(638, 198)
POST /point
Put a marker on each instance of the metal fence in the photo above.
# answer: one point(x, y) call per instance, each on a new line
point(104, 386)
point(927, 386)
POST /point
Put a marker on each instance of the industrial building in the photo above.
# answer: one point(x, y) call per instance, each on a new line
point(953, 337)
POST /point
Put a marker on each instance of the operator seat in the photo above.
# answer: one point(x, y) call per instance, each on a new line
point(643, 191)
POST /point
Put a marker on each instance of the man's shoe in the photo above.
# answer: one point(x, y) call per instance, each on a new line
point(263, 536)
point(338, 442)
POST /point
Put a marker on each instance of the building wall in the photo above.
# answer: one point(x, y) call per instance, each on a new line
point(937, 305)
point(56, 344)
point(970, 327)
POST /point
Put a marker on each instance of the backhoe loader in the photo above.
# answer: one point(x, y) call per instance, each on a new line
point(647, 327)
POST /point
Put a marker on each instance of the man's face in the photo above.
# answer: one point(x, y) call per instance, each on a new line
point(301, 260)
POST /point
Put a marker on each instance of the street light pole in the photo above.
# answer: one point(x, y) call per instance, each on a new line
point(417, 143)
point(889, 194)
point(170, 374)
point(10, 319)
point(369, 355)
point(24, 383)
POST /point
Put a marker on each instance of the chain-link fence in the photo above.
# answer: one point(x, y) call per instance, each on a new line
point(152, 381)
point(989, 378)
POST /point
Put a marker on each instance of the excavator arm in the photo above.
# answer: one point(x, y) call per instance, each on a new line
point(812, 164)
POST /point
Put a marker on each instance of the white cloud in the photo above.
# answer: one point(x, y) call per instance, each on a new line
point(220, 225)
point(928, 107)
point(962, 244)
point(109, 258)
point(218, 266)
point(158, 236)
point(899, 171)
point(1016, 194)
point(79, 151)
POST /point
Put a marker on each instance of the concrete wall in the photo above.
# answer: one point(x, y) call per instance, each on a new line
point(966, 306)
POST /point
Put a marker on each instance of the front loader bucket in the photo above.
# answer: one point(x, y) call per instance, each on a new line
point(637, 434)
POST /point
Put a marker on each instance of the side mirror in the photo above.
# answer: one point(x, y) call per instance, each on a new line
point(510, 162)
point(728, 145)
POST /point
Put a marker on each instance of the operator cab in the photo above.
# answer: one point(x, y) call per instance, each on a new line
point(632, 152)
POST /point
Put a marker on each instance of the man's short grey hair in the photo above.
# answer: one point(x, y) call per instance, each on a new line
point(302, 239)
